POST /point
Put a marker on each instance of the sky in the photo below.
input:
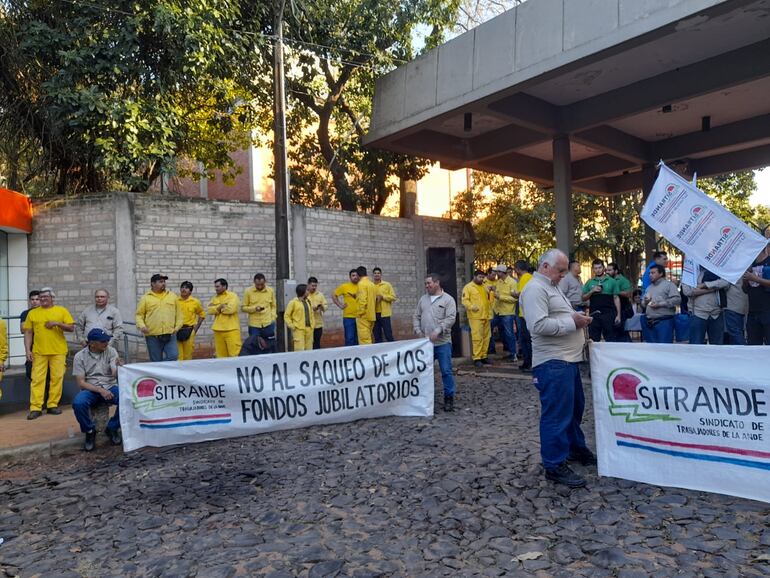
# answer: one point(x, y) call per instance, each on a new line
point(762, 195)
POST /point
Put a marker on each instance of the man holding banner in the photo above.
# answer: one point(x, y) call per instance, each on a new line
point(557, 349)
point(756, 284)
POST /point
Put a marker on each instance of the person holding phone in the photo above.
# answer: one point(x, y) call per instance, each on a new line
point(602, 293)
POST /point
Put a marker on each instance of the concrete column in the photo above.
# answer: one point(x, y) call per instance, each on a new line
point(650, 238)
point(125, 257)
point(420, 265)
point(299, 244)
point(408, 199)
point(562, 188)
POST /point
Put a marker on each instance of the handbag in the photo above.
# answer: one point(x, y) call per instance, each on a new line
point(184, 333)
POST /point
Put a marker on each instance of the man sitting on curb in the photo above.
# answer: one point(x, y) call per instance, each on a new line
point(95, 368)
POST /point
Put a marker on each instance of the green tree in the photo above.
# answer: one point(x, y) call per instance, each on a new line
point(335, 51)
point(106, 94)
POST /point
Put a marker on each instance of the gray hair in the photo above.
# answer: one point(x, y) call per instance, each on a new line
point(48, 290)
point(550, 257)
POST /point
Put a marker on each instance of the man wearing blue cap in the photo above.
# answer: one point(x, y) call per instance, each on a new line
point(95, 368)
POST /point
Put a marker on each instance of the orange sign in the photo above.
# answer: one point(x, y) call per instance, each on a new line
point(15, 212)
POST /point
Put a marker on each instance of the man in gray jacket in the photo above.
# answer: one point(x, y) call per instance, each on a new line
point(434, 318)
point(100, 315)
point(660, 301)
point(706, 308)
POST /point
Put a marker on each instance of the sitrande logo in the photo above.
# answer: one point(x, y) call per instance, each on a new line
point(695, 214)
point(623, 386)
point(143, 392)
point(727, 232)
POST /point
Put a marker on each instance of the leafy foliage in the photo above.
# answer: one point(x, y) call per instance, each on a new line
point(104, 94)
point(515, 219)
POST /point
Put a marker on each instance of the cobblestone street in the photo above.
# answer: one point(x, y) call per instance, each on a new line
point(457, 495)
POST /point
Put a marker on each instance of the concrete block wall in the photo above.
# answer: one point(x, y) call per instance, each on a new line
point(72, 249)
point(120, 240)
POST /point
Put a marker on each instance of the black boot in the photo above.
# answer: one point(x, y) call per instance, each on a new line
point(90, 441)
point(449, 403)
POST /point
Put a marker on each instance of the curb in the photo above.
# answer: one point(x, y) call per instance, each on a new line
point(40, 450)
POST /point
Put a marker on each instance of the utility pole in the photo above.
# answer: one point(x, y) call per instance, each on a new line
point(282, 207)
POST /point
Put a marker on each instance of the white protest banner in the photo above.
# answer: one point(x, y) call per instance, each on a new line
point(192, 401)
point(687, 416)
point(690, 272)
point(700, 227)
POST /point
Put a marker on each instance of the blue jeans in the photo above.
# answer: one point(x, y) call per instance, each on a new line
point(83, 403)
point(509, 337)
point(734, 327)
point(443, 354)
point(562, 403)
point(663, 332)
point(160, 350)
point(268, 334)
point(351, 333)
point(525, 341)
point(700, 327)
point(382, 326)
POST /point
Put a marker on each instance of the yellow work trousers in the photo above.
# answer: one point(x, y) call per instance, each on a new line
point(480, 335)
point(227, 343)
point(302, 339)
point(186, 348)
point(41, 366)
point(364, 329)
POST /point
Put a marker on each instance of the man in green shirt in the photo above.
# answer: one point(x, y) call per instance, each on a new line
point(625, 293)
point(602, 293)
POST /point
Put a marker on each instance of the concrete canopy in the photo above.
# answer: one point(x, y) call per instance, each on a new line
point(612, 86)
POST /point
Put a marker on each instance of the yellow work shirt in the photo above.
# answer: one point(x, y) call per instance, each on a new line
point(523, 280)
point(294, 316)
point(385, 305)
point(159, 312)
point(366, 299)
point(48, 341)
point(227, 319)
point(348, 292)
point(505, 302)
point(252, 298)
point(3, 343)
point(192, 310)
point(317, 299)
point(476, 296)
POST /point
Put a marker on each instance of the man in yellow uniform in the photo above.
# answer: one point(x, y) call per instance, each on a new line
point(45, 325)
point(366, 299)
point(192, 317)
point(227, 325)
point(489, 282)
point(3, 350)
point(299, 319)
point(386, 296)
point(525, 340)
point(344, 297)
point(159, 317)
point(478, 306)
point(259, 303)
point(505, 309)
point(319, 305)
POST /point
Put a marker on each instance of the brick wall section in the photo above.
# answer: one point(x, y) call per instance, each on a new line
point(339, 241)
point(72, 249)
point(200, 240)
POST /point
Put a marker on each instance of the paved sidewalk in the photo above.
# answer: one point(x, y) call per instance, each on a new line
point(16, 430)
